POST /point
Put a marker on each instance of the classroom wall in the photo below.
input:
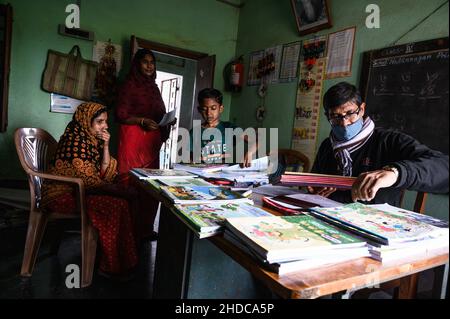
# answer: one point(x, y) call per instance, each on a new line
point(266, 23)
point(205, 26)
point(201, 25)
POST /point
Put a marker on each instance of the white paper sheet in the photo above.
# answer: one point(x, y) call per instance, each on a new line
point(257, 165)
point(168, 118)
point(340, 53)
point(63, 104)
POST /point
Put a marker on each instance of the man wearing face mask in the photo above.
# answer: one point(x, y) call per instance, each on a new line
point(384, 161)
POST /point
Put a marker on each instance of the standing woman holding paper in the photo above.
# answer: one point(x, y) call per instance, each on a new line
point(139, 110)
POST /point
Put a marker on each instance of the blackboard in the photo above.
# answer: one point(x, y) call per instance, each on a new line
point(406, 87)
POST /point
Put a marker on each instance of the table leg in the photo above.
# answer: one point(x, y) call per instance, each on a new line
point(408, 287)
point(440, 287)
point(172, 257)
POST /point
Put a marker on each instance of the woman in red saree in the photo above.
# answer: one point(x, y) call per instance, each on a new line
point(139, 110)
point(83, 152)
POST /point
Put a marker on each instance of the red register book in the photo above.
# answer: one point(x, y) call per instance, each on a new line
point(316, 180)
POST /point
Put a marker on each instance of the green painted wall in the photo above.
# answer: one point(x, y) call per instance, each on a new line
point(201, 25)
point(266, 23)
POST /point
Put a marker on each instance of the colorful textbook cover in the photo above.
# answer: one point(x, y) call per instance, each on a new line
point(189, 182)
point(284, 238)
point(202, 194)
point(208, 219)
point(385, 227)
point(149, 173)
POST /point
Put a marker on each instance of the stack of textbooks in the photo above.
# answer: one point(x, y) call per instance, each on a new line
point(203, 194)
point(256, 174)
point(315, 180)
point(200, 168)
point(186, 181)
point(208, 219)
point(294, 204)
point(391, 232)
point(292, 243)
point(148, 173)
point(329, 235)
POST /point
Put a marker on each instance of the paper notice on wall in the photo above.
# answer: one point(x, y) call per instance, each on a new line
point(340, 53)
point(289, 62)
point(63, 104)
point(307, 108)
point(274, 54)
point(253, 77)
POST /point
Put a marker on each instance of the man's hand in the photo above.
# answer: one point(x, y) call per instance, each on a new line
point(322, 191)
point(367, 184)
point(150, 125)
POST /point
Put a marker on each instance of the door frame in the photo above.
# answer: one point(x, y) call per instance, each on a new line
point(164, 48)
point(205, 65)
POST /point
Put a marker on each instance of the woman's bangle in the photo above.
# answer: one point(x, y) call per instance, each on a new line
point(142, 122)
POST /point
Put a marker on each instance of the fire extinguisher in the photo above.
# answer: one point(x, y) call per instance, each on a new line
point(234, 75)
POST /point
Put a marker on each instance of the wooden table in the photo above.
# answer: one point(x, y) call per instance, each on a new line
point(188, 267)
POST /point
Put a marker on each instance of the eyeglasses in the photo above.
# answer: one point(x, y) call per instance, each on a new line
point(335, 119)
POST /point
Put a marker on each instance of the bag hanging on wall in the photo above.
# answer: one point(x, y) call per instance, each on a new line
point(69, 74)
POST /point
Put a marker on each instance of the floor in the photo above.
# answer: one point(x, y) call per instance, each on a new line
point(49, 276)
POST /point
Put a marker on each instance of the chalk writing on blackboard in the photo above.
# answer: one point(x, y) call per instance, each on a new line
point(406, 88)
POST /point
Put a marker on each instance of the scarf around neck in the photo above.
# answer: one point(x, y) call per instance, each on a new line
point(343, 149)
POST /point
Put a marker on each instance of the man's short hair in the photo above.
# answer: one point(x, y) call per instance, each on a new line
point(339, 94)
point(210, 93)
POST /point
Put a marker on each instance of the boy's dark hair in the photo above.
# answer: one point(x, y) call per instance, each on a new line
point(210, 93)
point(339, 94)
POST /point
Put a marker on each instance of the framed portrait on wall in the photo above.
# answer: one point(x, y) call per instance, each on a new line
point(311, 15)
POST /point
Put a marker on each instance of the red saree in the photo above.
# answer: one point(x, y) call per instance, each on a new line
point(111, 217)
point(139, 96)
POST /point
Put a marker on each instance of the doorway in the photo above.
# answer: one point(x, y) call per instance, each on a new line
point(170, 86)
point(184, 74)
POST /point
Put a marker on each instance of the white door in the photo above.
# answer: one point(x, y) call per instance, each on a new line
point(171, 94)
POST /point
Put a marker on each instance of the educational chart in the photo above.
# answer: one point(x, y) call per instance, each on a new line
point(340, 53)
point(289, 62)
point(307, 106)
point(264, 66)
